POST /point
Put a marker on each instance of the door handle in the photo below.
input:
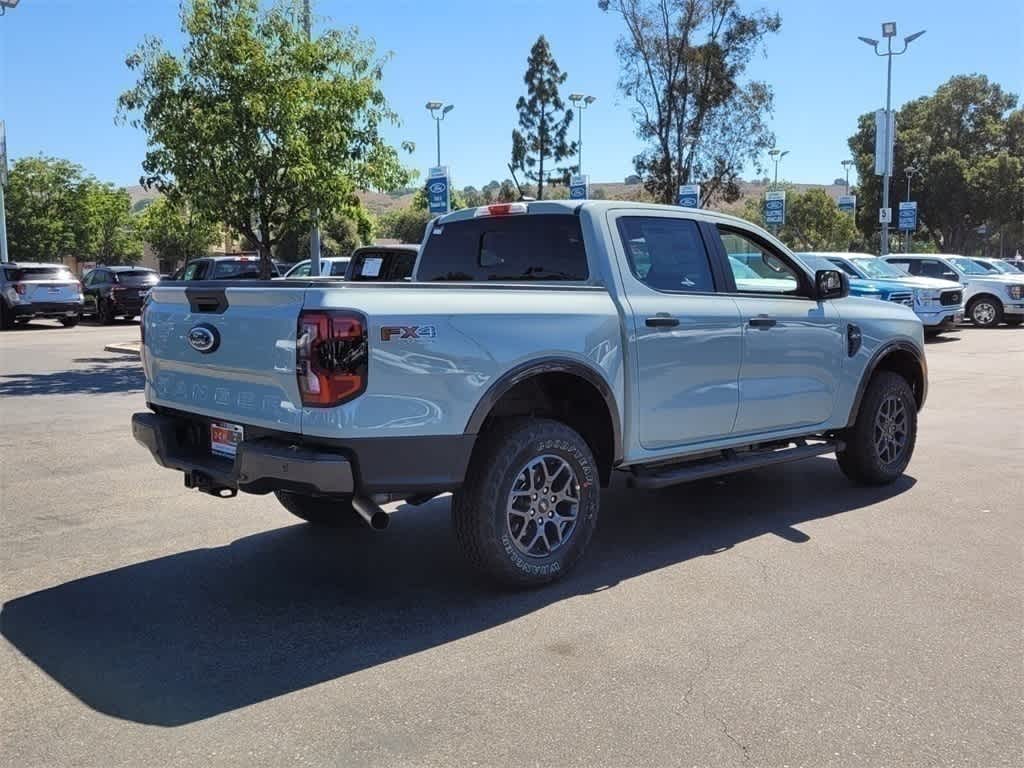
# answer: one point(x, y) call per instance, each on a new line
point(662, 321)
point(762, 321)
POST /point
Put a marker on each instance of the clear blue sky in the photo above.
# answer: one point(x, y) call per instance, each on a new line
point(62, 67)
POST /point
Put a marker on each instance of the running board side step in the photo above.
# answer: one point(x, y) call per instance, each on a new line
point(730, 461)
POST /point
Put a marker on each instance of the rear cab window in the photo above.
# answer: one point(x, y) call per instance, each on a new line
point(517, 248)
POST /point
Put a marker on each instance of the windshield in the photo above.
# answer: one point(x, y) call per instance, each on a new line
point(967, 266)
point(1001, 267)
point(16, 274)
point(879, 269)
point(136, 277)
point(741, 271)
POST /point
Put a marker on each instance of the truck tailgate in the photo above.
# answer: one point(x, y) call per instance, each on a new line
point(247, 375)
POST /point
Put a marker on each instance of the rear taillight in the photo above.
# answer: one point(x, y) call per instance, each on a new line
point(330, 357)
point(20, 289)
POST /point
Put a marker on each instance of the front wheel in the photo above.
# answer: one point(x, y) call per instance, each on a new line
point(985, 312)
point(881, 441)
point(530, 502)
point(321, 511)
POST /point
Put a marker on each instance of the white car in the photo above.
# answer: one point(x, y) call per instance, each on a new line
point(989, 298)
point(330, 266)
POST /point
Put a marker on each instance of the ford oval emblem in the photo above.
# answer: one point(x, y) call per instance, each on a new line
point(203, 338)
point(437, 187)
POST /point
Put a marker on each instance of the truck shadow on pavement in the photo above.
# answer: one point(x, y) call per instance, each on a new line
point(102, 376)
point(189, 636)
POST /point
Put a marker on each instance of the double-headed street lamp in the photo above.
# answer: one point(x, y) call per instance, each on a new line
point(888, 32)
point(777, 155)
point(846, 166)
point(438, 110)
point(580, 101)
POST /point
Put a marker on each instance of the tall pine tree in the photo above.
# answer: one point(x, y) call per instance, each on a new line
point(543, 120)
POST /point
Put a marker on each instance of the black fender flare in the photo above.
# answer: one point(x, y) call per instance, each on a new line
point(876, 359)
point(527, 370)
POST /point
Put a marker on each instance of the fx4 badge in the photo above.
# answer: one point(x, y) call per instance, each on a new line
point(401, 332)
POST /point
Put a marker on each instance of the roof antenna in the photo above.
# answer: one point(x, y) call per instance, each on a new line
point(522, 198)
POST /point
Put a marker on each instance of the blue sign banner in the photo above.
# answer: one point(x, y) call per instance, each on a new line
point(848, 203)
point(908, 217)
point(438, 191)
point(579, 187)
point(689, 195)
point(775, 208)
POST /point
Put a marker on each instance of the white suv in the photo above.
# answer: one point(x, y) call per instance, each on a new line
point(990, 298)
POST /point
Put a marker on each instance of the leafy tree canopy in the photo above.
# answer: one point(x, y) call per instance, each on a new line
point(813, 221)
point(176, 231)
point(681, 65)
point(257, 126)
point(966, 144)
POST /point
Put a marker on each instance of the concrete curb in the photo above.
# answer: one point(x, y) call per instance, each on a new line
point(127, 348)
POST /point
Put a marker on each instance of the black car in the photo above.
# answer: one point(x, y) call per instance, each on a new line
point(223, 268)
point(116, 291)
point(382, 263)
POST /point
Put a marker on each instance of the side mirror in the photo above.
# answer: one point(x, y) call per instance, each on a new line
point(831, 284)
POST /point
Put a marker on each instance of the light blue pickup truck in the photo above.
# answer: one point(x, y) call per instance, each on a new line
point(539, 349)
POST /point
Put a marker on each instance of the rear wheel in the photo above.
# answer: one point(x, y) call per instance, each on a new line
point(985, 311)
point(530, 502)
point(321, 511)
point(881, 441)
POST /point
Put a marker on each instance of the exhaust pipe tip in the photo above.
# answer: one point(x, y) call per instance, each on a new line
point(372, 514)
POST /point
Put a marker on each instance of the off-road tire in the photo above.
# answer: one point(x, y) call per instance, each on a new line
point(860, 460)
point(981, 316)
point(321, 511)
point(480, 508)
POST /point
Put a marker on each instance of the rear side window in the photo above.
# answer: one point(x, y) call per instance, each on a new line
point(15, 274)
point(666, 253)
point(506, 248)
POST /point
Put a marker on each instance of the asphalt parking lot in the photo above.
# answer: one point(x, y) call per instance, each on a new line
point(778, 618)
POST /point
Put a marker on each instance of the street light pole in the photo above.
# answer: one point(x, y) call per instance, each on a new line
point(314, 230)
point(846, 166)
point(777, 155)
point(580, 101)
point(438, 111)
point(888, 32)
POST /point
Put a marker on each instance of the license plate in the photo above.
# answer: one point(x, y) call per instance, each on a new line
point(224, 439)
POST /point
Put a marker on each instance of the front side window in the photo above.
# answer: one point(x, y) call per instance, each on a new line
point(666, 253)
point(967, 266)
point(194, 271)
point(771, 273)
point(540, 247)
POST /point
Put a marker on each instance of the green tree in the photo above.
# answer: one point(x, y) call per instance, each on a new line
point(176, 231)
point(681, 64)
point(108, 229)
point(44, 209)
point(407, 225)
point(257, 126)
point(543, 121)
point(966, 144)
point(813, 221)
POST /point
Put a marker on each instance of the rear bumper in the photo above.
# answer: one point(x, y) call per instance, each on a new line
point(270, 461)
point(48, 309)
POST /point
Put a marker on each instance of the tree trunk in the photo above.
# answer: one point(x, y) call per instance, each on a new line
point(266, 265)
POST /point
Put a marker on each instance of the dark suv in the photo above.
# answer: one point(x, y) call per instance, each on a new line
point(116, 291)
